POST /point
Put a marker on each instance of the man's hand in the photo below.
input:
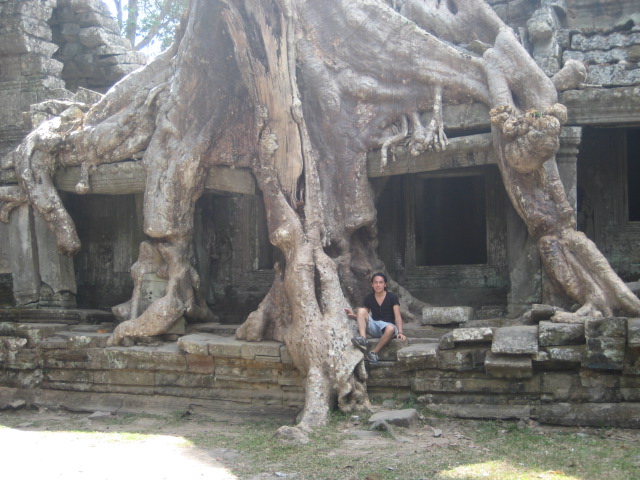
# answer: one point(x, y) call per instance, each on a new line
point(350, 313)
point(402, 337)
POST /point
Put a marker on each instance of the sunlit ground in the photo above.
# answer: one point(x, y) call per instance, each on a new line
point(97, 456)
point(501, 470)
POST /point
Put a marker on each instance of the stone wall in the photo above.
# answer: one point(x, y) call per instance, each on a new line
point(48, 50)
point(566, 374)
point(90, 46)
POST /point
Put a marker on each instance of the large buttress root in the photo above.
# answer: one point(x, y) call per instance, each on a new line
point(578, 266)
point(526, 143)
point(169, 260)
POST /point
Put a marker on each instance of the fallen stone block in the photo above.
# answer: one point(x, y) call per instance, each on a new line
point(480, 410)
point(541, 312)
point(400, 418)
point(551, 333)
point(462, 335)
point(515, 340)
point(508, 366)
point(424, 355)
point(446, 315)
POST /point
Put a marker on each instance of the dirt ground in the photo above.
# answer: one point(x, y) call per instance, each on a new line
point(50, 444)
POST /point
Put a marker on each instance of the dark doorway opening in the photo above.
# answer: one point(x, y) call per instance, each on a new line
point(633, 174)
point(450, 223)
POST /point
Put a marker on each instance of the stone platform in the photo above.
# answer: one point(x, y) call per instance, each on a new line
point(564, 374)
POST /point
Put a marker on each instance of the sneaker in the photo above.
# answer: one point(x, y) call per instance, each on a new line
point(372, 358)
point(361, 342)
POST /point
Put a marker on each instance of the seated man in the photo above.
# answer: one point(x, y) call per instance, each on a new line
point(380, 318)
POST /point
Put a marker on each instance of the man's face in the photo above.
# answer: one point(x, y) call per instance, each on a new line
point(378, 284)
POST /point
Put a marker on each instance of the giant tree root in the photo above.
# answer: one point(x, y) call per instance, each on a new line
point(170, 260)
point(586, 276)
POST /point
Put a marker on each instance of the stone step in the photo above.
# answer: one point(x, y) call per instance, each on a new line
point(216, 328)
point(51, 315)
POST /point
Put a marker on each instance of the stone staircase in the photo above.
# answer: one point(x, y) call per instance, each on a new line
point(571, 374)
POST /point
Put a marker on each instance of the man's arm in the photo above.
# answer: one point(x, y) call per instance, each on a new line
point(398, 319)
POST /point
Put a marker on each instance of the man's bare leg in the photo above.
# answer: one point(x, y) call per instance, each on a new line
point(386, 337)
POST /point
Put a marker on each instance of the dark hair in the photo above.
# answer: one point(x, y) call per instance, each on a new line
point(379, 274)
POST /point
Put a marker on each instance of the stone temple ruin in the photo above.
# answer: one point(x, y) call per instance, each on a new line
point(484, 348)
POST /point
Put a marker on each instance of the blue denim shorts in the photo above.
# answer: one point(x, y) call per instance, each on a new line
point(375, 328)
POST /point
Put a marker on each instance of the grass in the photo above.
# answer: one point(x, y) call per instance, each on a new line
point(466, 450)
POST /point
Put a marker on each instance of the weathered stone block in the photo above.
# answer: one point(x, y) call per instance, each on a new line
point(508, 366)
point(633, 332)
point(570, 353)
point(560, 387)
point(632, 361)
point(420, 355)
point(463, 359)
point(605, 327)
point(551, 333)
point(200, 363)
point(483, 334)
point(65, 359)
point(249, 375)
point(53, 343)
point(605, 353)
point(290, 377)
point(131, 358)
point(400, 418)
point(8, 329)
point(446, 315)
point(85, 340)
point(125, 377)
point(187, 380)
point(541, 312)
point(515, 340)
point(27, 359)
point(197, 343)
point(446, 342)
point(630, 388)
point(469, 384)
point(69, 376)
point(251, 350)
point(624, 415)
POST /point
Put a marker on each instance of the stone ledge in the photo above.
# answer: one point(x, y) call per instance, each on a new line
point(226, 347)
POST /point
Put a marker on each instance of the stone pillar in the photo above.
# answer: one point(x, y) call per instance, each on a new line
point(40, 274)
point(58, 287)
point(24, 256)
